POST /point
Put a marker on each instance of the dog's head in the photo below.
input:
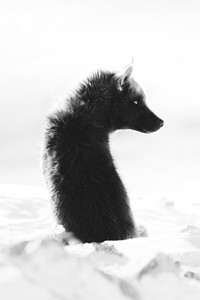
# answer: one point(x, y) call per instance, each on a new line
point(130, 109)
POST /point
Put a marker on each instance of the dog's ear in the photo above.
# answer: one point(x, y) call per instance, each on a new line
point(124, 76)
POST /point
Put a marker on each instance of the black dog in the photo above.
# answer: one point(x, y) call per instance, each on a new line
point(88, 195)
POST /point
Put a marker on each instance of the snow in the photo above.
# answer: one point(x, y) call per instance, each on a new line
point(162, 263)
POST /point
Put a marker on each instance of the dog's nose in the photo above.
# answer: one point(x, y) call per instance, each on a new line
point(161, 123)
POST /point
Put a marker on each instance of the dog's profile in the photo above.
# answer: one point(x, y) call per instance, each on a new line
point(87, 193)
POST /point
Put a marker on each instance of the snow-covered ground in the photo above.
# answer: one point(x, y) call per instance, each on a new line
point(164, 263)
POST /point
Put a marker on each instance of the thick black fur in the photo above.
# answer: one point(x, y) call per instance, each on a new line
point(88, 195)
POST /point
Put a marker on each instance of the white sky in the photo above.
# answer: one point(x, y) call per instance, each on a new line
point(47, 46)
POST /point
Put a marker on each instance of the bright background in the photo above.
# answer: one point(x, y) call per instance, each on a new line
point(47, 47)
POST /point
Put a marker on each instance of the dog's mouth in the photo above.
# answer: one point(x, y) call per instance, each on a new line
point(146, 131)
point(153, 129)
